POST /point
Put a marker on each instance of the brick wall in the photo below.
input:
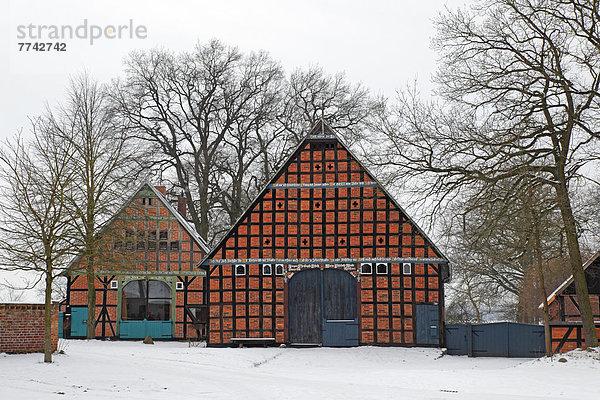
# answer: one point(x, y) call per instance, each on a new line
point(22, 327)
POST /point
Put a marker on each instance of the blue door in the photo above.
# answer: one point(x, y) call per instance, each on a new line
point(79, 321)
point(428, 324)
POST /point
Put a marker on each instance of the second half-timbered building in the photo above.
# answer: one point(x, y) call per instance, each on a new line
point(146, 280)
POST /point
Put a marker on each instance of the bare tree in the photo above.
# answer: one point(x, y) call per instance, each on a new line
point(35, 219)
point(101, 170)
point(520, 85)
point(186, 108)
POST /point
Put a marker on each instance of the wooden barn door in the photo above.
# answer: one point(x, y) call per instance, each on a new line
point(305, 306)
point(323, 308)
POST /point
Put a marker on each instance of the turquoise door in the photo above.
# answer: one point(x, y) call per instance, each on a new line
point(61, 322)
point(141, 329)
point(79, 321)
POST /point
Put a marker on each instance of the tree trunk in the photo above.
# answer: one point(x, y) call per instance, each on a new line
point(91, 300)
point(48, 318)
point(581, 289)
point(540, 273)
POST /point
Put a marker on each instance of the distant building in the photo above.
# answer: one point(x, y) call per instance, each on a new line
point(562, 303)
point(563, 307)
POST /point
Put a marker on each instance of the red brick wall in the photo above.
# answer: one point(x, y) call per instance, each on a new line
point(568, 336)
point(22, 328)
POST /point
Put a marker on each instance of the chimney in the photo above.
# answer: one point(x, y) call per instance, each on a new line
point(162, 189)
point(182, 206)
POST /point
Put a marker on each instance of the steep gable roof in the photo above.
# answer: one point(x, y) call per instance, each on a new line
point(180, 219)
point(323, 133)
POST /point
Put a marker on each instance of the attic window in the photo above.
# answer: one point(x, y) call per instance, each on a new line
point(267, 270)
point(406, 268)
point(163, 235)
point(240, 269)
point(366, 268)
point(382, 268)
point(278, 269)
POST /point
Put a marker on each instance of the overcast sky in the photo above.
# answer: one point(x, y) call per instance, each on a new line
point(383, 44)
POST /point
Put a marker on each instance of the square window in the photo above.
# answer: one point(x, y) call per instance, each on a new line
point(114, 284)
point(178, 285)
point(163, 235)
point(240, 269)
point(174, 246)
point(382, 268)
point(267, 270)
point(162, 245)
point(366, 268)
point(406, 268)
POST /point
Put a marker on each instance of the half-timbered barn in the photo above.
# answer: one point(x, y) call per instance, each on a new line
point(146, 281)
point(565, 317)
point(325, 256)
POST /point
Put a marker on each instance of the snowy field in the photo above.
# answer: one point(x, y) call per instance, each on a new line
point(172, 370)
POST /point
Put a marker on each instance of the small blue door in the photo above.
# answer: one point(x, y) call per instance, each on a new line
point(79, 321)
point(61, 323)
point(428, 324)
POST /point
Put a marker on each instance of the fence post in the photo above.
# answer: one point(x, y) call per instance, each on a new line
point(470, 340)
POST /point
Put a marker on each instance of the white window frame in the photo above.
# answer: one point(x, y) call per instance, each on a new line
point(178, 285)
point(236, 269)
point(264, 266)
point(406, 267)
point(377, 269)
point(114, 284)
point(364, 265)
point(282, 270)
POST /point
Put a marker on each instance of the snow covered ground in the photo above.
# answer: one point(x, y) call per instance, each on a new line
point(172, 370)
